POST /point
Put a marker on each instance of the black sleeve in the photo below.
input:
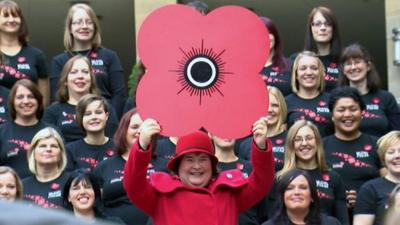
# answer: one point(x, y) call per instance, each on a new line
point(42, 67)
point(366, 200)
point(117, 84)
point(341, 212)
point(50, 116)
point(392, 112)
point(55, 72)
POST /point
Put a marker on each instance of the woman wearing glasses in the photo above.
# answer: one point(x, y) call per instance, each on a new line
point(304, 151)
point(382, 114)
point(82, 36)
point(20, 60)
point(322, 37)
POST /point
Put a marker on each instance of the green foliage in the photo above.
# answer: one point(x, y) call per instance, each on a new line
point(132, 79)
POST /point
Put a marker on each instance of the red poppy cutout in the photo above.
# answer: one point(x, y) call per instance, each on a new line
point(203, 71)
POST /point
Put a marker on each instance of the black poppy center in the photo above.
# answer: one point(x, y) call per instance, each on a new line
point(201, 72)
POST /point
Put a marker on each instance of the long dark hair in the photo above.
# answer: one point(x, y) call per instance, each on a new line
point(87, 177)
point(281, 217)
point(278, 60)
point(356, 51)
point(309, 42)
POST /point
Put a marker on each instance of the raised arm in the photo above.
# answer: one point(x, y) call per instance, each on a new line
point(139, 190)
point(262, 159)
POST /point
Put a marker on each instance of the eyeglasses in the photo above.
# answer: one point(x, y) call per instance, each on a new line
point(355, 62)
point(82, 22)
point(300, 139)
point(320, 23)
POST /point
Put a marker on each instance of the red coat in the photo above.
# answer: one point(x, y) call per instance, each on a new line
point(169, 202)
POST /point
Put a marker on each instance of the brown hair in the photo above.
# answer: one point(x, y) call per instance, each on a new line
point(32, 87)
point(83, 104)
point(356, 51)
point(18, 183)
point(335, 45)
point(69, 39)
point(62, 89)
point(121, 145)
point(8, 7)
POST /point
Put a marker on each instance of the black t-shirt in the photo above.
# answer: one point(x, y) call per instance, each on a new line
point(87, 156)
point(315, 110)
point(165, 148)
point(107, 69)
point(130, 103)
point(29, 63)
point(45, 194)
point(331, 193)
point(278, 149)
point(382, 114)
point(325, 220)
point(332, 70)
point(4, 92)
point(63, 115)
point(356, 161)
point(250, 216)
point(373, 198)
point(116, 203)
point(280, 79)
point(14, 143)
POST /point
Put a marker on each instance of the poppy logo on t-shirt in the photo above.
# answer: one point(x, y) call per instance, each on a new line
point(21, 59)
point(376, 100)
point(91, 161)
point(55, 186)
point(70, 118)
point(109, 152)
point(321, 103)
point(239, 166)
point(1, 100)
point(275, 68)
point(326, 177)
point(333, 65)
point(93, 55)
point(279, 141)
point(367, 147)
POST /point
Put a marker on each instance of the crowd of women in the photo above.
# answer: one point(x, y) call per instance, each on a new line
point(67, 134)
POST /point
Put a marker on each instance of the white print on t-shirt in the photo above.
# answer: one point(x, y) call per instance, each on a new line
point(372, 107)
point(333, 70)
point(2, 109)
point(279, 149)
point(97, 62)
point(24, 66)
point(54, 194)
point(119, 179)
point(338, 165)
point(322, 110)
point(362, 154)
point(321, 183)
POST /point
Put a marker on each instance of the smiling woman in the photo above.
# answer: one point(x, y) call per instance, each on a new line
point(25, 111)
point(308, 101)
point(297, 202)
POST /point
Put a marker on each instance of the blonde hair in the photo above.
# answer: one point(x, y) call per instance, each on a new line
point(281, 124)
point(385, 142)
point(42, 134)
point(69, 39)
point(18, 183)
point(321, 71)
point(290, 161)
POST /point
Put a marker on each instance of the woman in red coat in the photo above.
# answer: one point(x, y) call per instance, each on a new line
point(197, 194)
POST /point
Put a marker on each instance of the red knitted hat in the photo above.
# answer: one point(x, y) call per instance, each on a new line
point(191, 143)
